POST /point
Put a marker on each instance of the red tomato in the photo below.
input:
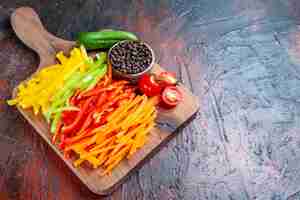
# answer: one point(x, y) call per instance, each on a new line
point(171, 96)
point(148, 85)
point(166, 79)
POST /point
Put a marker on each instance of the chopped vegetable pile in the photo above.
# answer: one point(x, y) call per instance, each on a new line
point(100, 120)
point(112, 124)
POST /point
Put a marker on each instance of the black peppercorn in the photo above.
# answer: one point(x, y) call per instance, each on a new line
point(130, 57)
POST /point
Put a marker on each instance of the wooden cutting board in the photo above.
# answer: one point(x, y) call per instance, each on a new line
point(29, 29)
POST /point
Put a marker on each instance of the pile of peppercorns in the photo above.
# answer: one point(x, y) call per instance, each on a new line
point(130, 57)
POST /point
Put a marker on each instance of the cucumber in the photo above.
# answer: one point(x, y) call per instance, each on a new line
point(97, 44)
point(103, 39)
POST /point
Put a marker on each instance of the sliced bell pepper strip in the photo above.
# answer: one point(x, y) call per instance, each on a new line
point(104, 143)
point(97, 90)
point(57, 103)
point(79, 138)
point(69, 128)
point(91, 76)
point(101, 100)
point(57, 132)
point(67, 108)
point(69, 85)
point(55, 122)
point(88, 121)
point(62, 141)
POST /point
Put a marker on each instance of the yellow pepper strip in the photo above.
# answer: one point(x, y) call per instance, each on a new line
point(38, 92)
point(93, 160)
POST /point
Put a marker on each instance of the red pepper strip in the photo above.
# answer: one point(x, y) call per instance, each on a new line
point(110, 97)
point(68, 117)
point(88, 121)
point(118, 98)
point(76, 122)
point(100, 118)
point(106, 81)
point(102, 83)
point(80, 104)
point(77, 138)
point(107, 108)
point(66, 154)
point(101, 99)
point(98, 91)
point(119, 83)
point(74, 97)
point(62, 141)
point(57, 132)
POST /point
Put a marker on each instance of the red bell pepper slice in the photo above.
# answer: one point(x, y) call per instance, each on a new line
point(80, 115)
point(68, 117)
point(88, 121)
point(98, 91)
point(62, 142)
point(101, 100)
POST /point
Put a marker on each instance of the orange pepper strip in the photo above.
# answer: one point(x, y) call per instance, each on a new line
point(103, 157)
point(124, 139)
point(79, 137)
point(115, 163)
point(96, 152)
point(94, 161)
point(121, 153)
point(104, 143)
point(130, 118)
point(80, 145)
point(116, 149)
point(109, 72)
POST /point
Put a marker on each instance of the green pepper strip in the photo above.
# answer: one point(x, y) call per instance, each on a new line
point(67, 108)
point(69, 85)
point(93, 77)
point(100, 59)
point(57, 103)
point(55, 122)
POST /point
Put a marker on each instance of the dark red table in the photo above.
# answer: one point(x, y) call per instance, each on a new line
point(241, 57)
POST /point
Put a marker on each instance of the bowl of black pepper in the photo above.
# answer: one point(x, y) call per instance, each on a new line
point(131, 59)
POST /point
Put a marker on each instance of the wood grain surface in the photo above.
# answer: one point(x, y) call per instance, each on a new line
point(240, 57)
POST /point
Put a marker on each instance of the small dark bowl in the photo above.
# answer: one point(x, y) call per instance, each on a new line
point(131, 77)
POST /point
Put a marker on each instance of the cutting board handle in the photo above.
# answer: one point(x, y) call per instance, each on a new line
point(29, 28)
